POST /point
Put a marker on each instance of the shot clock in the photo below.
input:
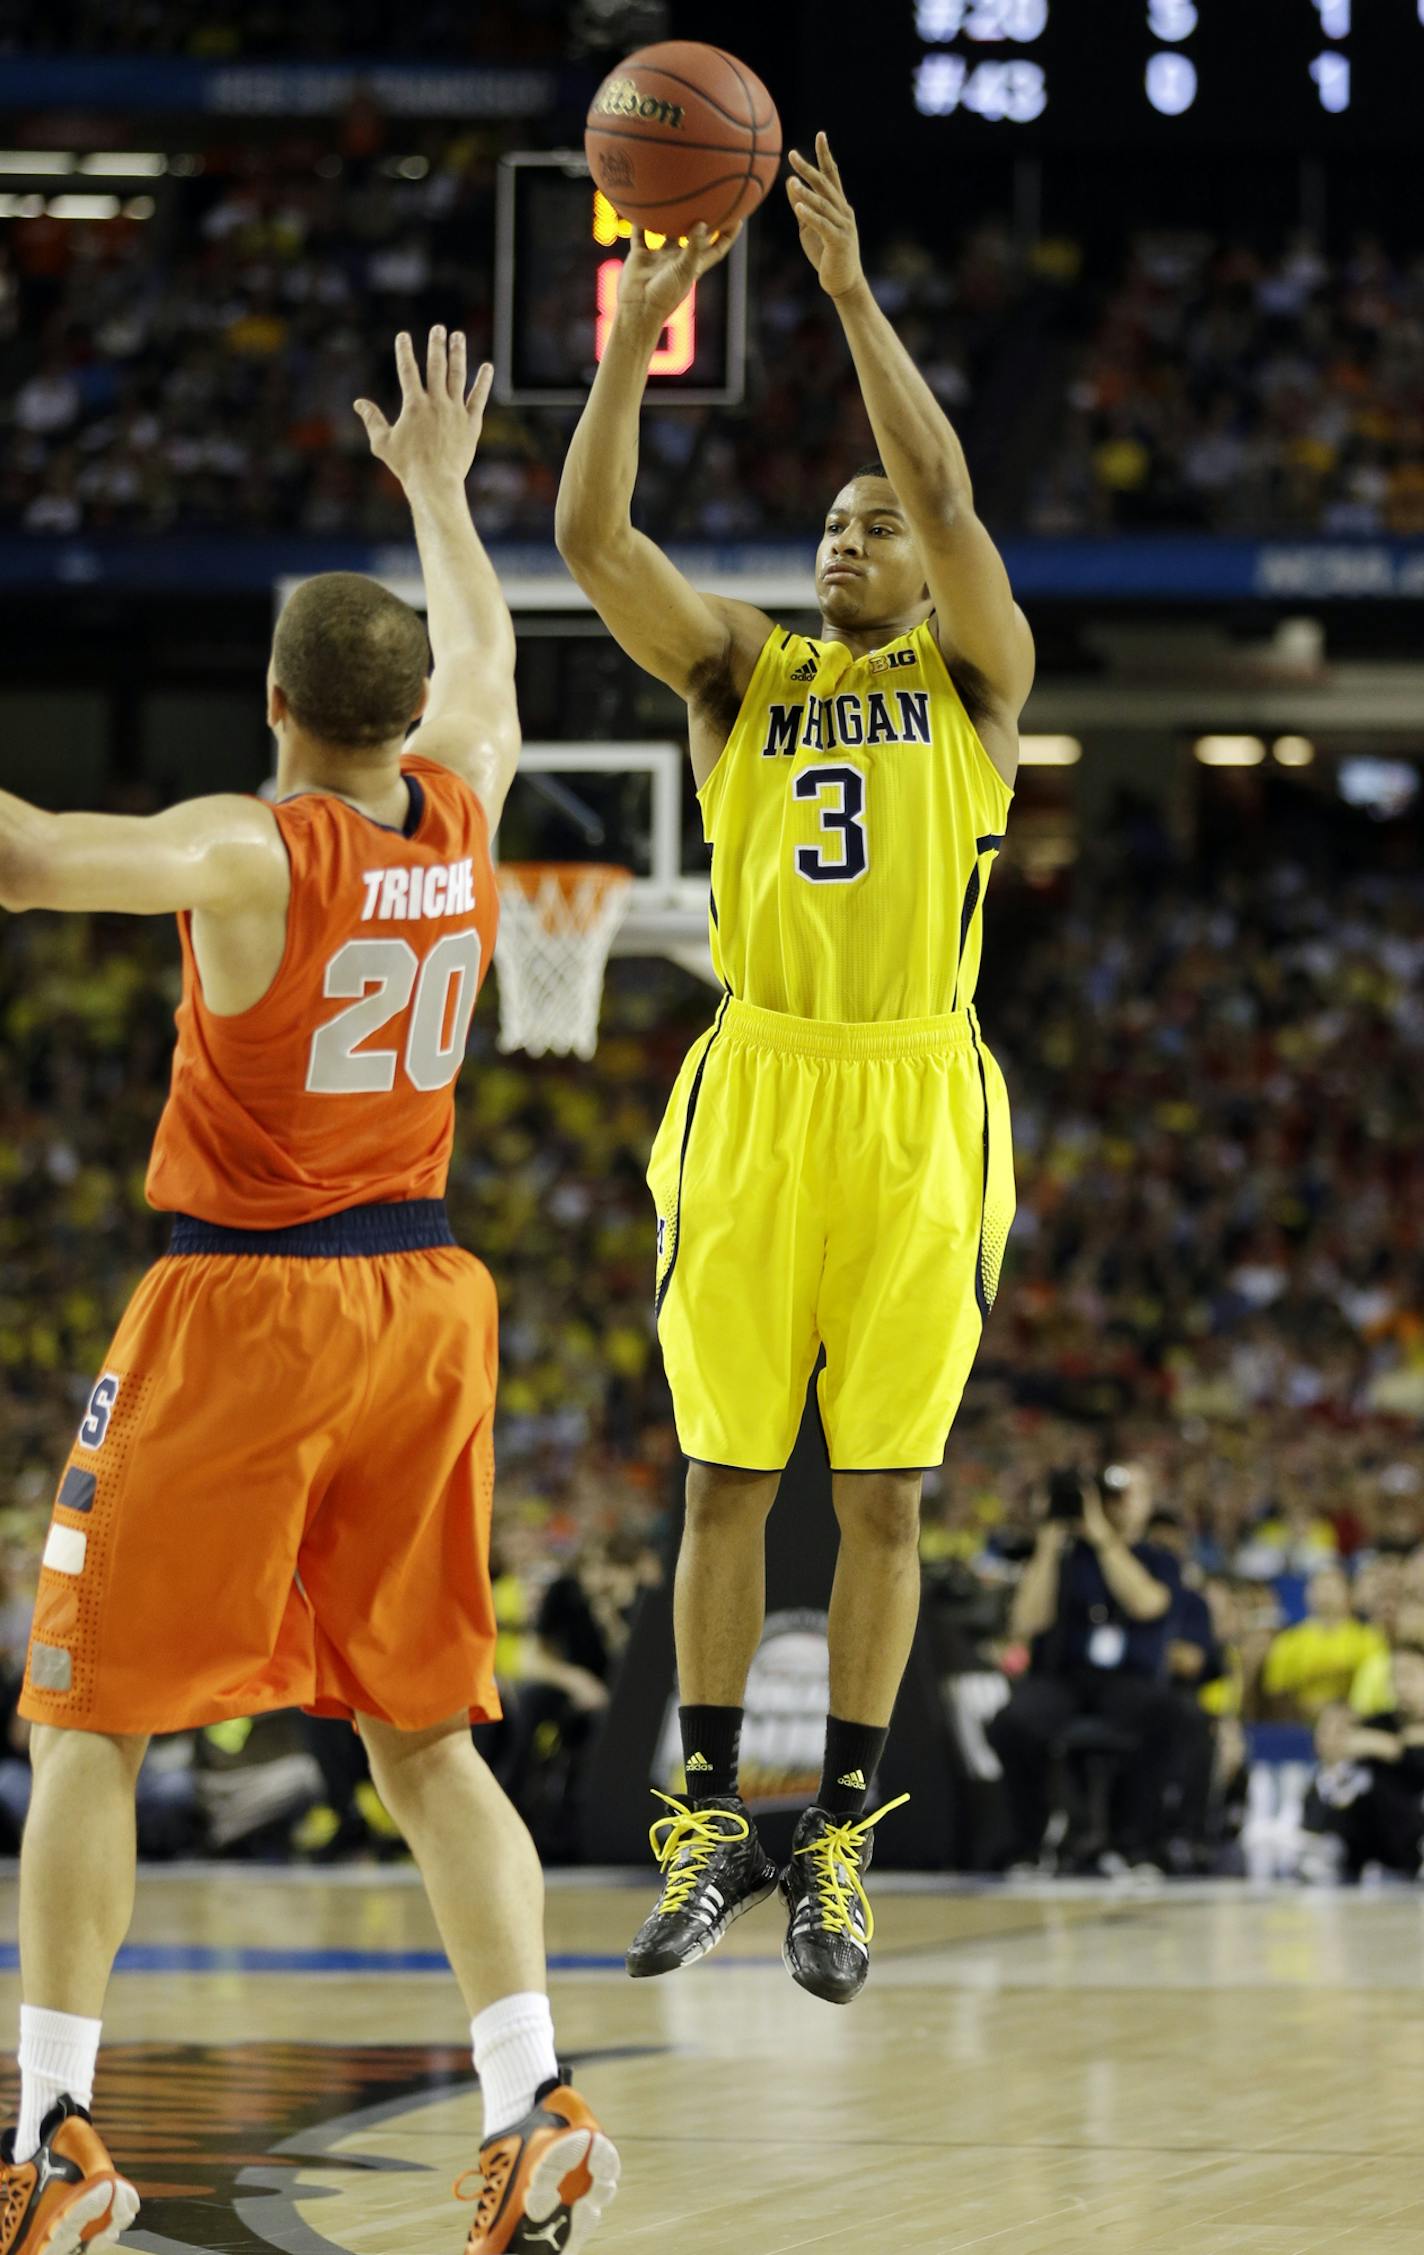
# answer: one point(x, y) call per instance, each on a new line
point(559, 251)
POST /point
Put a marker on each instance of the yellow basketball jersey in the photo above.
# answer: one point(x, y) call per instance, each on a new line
point(853, 816)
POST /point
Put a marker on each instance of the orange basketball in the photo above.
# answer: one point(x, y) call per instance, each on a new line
point(682, 133)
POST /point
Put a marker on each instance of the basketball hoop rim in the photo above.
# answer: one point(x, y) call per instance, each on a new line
point(582, 900)
point(528, 876)
point(557, 923)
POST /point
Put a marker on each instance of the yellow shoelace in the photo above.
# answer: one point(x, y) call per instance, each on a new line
point(703, 1832)
point(835, 1871)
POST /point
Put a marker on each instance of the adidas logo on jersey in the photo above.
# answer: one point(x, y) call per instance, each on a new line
point(402, 895)
point(697, 1765)
point(807, 672)
point(855, 1779)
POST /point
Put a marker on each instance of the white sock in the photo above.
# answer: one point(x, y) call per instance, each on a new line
point(514, 2053)
point(58, 2052)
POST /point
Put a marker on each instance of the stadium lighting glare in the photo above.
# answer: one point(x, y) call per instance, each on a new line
point(1230, 751)
point(140, 207)
point(29, 161)
point(1049, 751)
point(124, 164)
point(83, 207)
point(1293, 751)
point(21, 207)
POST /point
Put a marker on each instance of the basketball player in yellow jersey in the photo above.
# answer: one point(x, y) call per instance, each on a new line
point(834, 1168)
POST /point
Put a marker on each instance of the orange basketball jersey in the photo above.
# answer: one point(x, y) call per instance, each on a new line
point(337, 1088)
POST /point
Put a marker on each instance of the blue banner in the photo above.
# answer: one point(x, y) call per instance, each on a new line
point(1199, 567)
point(1167, 568)
point(257, 89)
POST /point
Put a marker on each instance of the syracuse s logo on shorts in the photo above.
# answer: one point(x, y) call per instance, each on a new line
point(101, 1409)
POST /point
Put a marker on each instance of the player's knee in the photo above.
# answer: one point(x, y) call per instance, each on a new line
point(880, 1510)
point(87, 1754)
point(718, 1496)
point(406, 1765)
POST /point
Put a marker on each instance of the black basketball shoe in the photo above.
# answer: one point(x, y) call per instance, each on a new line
point(827, 1947)
point(715, 1871)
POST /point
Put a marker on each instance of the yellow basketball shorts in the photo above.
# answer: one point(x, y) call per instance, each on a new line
point(845, 1186)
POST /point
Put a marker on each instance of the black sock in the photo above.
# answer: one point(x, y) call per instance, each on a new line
point(711, 1744)
point(853, 1752)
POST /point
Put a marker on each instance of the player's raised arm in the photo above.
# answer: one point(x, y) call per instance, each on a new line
point(471, 720)
point(657, 616)
point(222, 854)
point(977, 619)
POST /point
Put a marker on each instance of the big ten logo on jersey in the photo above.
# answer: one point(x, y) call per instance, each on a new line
point(403, 895)
point(100, 1410)
point(828, 724)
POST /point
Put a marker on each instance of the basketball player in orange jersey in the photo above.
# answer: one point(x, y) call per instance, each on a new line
point(280, 1492)
point(834, 1169)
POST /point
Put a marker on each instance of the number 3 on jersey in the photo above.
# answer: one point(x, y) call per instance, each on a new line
point(839, 793)
point(384, 974)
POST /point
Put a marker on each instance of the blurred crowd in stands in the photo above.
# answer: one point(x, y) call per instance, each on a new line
point(194, 370)
point(315, 31)
point(1233, 390)
point(1217, 1276)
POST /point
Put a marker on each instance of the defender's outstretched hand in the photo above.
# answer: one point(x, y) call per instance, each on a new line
point(659, 280)
point(827, 223)
point(438, 428)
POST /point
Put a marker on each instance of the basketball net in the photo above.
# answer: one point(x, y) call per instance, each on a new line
point(556, 926)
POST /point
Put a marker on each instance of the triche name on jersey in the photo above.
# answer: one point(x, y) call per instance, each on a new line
point(402, 895)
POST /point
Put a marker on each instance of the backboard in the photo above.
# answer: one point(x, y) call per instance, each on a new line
point(622, 802)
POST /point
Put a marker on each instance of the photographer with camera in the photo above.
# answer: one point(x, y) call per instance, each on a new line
point(1093, 1605)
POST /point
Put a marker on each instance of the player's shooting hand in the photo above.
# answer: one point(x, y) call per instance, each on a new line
point(657, 281)
point(433, 439)
point(828, 231)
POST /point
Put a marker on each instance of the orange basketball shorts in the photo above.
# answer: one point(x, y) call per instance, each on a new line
point(280, 1494)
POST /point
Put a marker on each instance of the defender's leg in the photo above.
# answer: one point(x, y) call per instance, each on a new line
point(77, 1867)
point(544, 2161)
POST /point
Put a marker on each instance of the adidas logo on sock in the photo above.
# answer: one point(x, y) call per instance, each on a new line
point(855, 1779)
point(697, 1764)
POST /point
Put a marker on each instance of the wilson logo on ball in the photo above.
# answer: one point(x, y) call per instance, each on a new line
point(696, 131)
point(620, 97)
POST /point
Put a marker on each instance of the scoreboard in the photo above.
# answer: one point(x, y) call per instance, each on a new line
point(559, 251)
point(1308, 75)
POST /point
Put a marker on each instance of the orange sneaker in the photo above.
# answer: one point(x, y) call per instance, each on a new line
point(67, 2194)
point(543, 2184)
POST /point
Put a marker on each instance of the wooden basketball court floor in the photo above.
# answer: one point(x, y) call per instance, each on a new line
point(1037, 2072)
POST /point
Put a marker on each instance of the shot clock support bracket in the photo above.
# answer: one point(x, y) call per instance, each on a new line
point(556, 236)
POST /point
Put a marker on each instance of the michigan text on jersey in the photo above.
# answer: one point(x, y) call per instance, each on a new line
point(822, 724)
